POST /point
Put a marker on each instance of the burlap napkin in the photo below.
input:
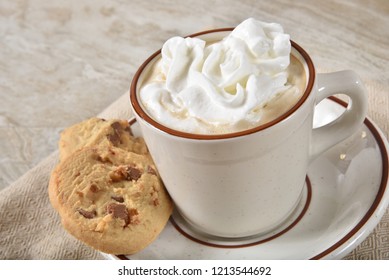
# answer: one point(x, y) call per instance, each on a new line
point(31, 229)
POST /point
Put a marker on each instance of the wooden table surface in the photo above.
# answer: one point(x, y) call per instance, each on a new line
point(63, 62)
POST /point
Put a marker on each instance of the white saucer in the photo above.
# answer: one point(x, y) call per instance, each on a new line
point(347, 198)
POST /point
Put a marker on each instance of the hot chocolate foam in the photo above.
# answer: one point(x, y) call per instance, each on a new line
point(242, 81)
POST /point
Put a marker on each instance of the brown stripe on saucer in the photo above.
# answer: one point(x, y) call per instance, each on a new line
point(381, 190)
point(131, 121)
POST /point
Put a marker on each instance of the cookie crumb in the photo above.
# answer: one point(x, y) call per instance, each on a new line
point(151, 170)
point(134, 216)
point(103, 159)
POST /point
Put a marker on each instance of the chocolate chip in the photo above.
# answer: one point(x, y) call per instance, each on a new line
point(114, 139)
point(116, 126)
point(133, 173)
point(119, 211)
point(87, 214)
point(128, 173)
point(118, 198)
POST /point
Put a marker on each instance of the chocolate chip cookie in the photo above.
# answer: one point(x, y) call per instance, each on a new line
point(109, 198)
point(96, 131)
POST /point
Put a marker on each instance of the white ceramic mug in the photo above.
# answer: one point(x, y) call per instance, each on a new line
point(247, 183)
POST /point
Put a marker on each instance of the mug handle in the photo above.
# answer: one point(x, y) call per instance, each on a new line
point(346, 82)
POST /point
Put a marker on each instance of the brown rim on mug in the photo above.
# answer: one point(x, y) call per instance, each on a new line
point(141, 113)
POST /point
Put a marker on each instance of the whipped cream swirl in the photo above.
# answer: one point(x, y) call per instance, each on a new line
point(218, 87)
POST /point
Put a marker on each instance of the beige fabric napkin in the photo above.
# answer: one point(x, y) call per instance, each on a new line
point(31, 229)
